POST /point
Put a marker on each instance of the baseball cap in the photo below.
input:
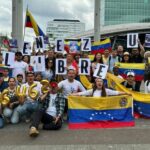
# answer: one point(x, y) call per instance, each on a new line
point(30, 72)
point(130, 74)
point(53, 84)
point(126, 53)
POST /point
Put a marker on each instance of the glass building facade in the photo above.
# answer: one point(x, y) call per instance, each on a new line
point(125, 11)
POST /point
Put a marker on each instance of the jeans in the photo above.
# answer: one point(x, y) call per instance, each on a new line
point(8, 113)
point(24, 110)
point(1, 122)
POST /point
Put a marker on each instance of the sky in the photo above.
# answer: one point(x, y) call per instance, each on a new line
point(47, 10)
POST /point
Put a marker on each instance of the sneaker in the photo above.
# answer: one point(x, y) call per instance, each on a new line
point(33, 132)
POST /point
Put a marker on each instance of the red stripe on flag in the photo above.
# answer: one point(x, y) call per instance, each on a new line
point(29, 24)
point(100, 51)
point(101, 124)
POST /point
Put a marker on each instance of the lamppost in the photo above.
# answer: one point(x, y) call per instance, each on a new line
point(17, 22)
point(97, 20)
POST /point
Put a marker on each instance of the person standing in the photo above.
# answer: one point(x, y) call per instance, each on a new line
point(70, 85)
point(130, 82)
point(147, 84)
point(19, 67)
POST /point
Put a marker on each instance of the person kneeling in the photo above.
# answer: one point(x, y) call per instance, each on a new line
point(51, 112)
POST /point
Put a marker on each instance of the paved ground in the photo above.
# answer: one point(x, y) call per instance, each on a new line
point(15, 137)
point(138, 137)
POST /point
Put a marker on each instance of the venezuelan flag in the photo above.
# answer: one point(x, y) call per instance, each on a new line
point(98, 112)
point(142, 104)
point(137, 68)
point(141, 100)
point(31, 23)
point(100, 46)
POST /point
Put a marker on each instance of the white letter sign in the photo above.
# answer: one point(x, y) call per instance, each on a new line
point(132, 40)
point(61, 65)
point(27, 48)
point(84, 66)
point(38, 63)
point(86, 44)
point(39, 40)
point(59, 46)
point(100, 71)
point(147, 40)
point(8, 59)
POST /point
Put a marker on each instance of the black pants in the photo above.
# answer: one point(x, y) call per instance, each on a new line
point(47, 120)
point(66, 106)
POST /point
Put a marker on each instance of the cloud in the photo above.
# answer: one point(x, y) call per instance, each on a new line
point(5, 17)
point(47, 10)
point(62, 9)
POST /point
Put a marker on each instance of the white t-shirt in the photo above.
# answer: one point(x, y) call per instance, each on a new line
point(19, 67)
point(147, 88)
point(97, 93)
point(70, 87)
point(37, 88)
point(51, 110)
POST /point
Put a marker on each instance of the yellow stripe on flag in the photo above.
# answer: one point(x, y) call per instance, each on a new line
point(99, 103)
point(138, 96)
point(84, 80)
point(68, 42)
point(91, 57)
point(131, 65)
point(34, 24)
point(101, 42)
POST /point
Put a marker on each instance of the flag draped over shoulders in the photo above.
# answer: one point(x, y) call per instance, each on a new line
point(141, 100)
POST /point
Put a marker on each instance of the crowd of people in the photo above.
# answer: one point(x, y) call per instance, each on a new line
point(30, 103)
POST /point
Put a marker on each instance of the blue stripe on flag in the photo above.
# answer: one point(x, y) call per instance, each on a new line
point(84, 115)
point(104, 46)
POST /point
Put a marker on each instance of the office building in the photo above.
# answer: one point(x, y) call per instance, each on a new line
point(63, 28)
point(124, 11)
